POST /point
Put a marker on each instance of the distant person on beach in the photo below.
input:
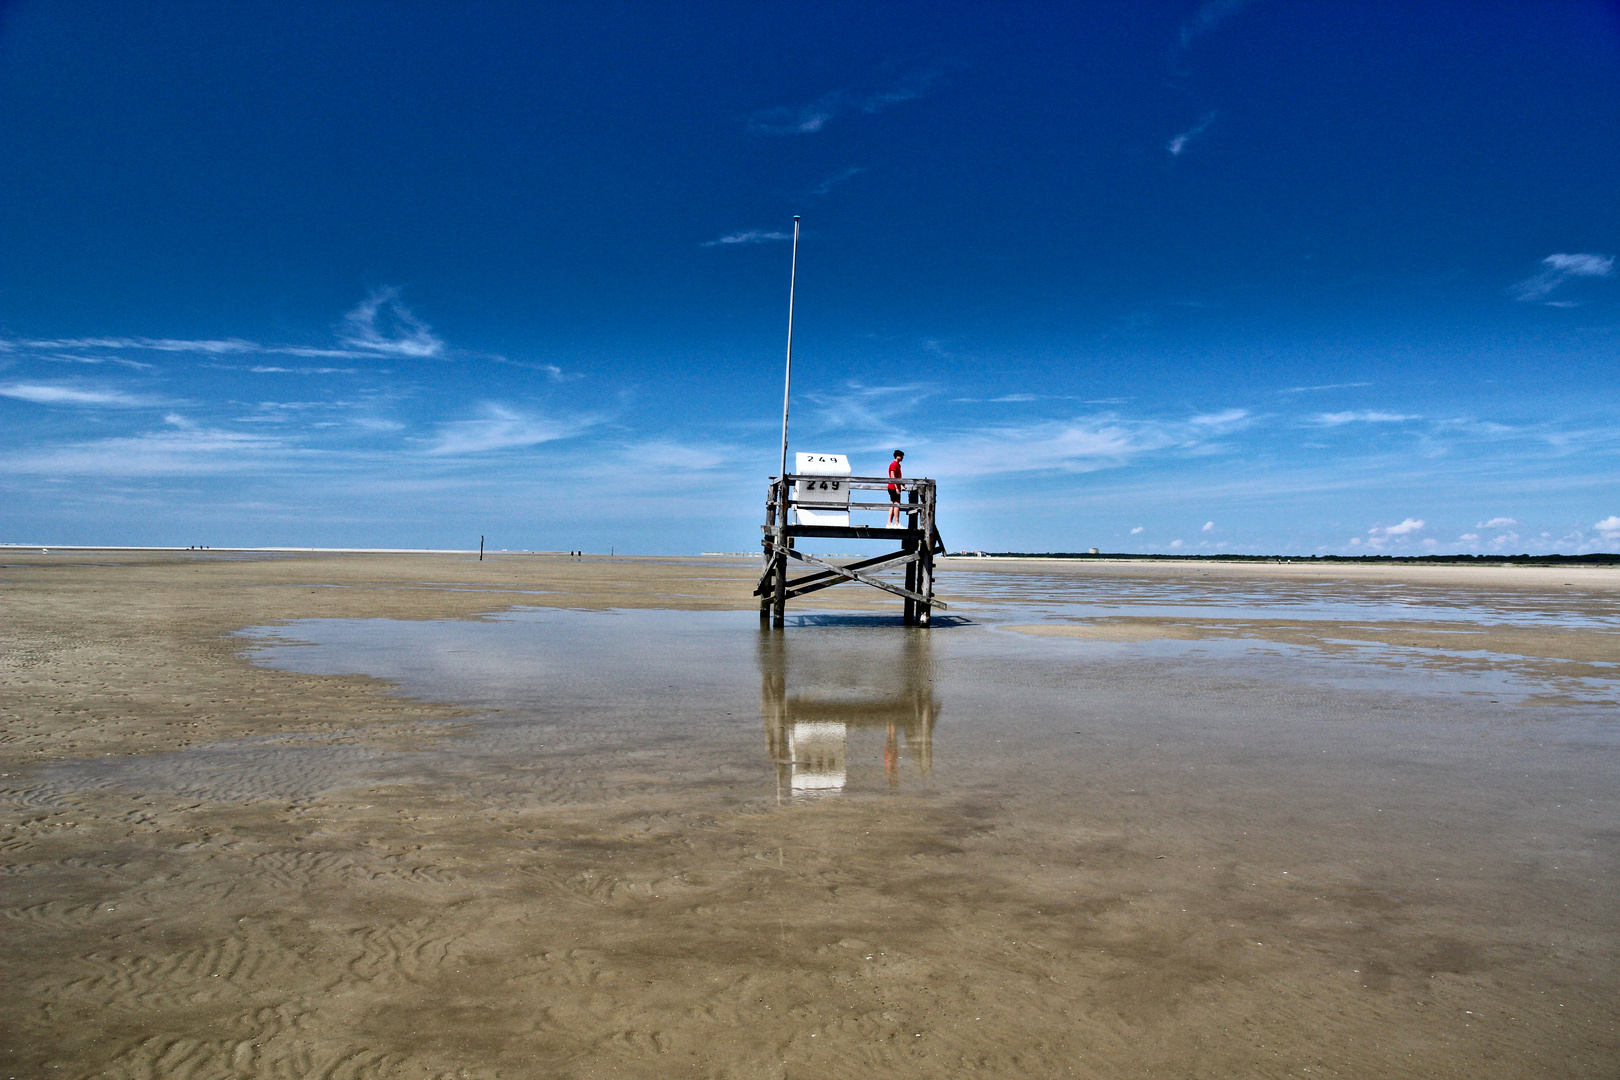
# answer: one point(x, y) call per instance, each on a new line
point(894, 489)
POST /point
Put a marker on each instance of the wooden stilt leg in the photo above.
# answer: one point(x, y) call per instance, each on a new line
point(779, 592)
point(779, 551)
point(769, 592)
point(925, 567)
point(925, 585)
point(911, 585)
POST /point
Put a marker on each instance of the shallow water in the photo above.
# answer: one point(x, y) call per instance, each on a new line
point(835, 694)
point(1071, 596)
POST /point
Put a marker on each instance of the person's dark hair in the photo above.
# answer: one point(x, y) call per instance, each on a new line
point(899, 453)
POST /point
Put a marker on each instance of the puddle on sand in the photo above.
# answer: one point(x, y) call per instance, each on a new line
point(1047, 594)
point(846, 701)
point(849, 703)
point(1494, 678)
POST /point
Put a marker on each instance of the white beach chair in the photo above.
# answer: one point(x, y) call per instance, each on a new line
point(830, 488)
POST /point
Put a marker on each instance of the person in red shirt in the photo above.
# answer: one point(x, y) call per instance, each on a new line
point(894, 489)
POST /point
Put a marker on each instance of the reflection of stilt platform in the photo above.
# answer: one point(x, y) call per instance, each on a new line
point(812, 705)
point(919, 543)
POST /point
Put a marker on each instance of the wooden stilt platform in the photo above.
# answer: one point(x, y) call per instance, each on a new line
point(919, 542)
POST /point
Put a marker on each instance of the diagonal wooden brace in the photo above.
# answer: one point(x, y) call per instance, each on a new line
point(821, 580)
point(856, 575)
point(764, 585)
point(826, 579)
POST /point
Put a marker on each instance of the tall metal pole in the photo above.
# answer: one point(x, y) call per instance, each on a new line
point(787, 381)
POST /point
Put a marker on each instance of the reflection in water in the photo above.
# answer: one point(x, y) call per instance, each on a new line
point(817, 685)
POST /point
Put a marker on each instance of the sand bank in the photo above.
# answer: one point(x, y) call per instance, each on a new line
point(1123, 841)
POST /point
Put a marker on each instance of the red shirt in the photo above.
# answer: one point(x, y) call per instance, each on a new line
point(894, 473)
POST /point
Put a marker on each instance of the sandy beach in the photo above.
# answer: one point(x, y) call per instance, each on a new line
point(354, 815)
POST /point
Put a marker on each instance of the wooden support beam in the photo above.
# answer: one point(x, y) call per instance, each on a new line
point(883, 506)
point(826, 579)
point(880, 563)
point(856, 575)
point(853, 532)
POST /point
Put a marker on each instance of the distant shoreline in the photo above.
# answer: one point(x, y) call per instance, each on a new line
point(1602, 558)
point(1599, 558)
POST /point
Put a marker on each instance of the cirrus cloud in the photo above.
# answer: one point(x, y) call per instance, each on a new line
point(1365, 416)
point(1557, 269)
point(752, 236)
point(501, 428)
point(811, 118)
point(57, 394)
point(382, 324)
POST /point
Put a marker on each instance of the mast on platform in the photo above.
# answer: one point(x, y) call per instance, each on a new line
point(787, 379)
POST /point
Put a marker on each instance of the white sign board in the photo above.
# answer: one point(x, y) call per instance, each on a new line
point(829, 487)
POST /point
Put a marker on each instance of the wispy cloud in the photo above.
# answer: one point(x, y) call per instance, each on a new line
point(382, 324)
point(1178, 143)
point(682, 456)
point(752, 236)
point(186, 450)
point(1327, 386)
point(502, 428)
point(206, 346)
point(122, 361)
point(266, 369)
point(378, 326)
point(56, 394)
point(811, 118)
point(874, 410)
point(1225, 420)
point(837, 178)
point(214, 347)
point(282, 411)
point(1085, 444)
point(1365, 416)
point(1497, 523)
point(1557, 269)
point(1208, 17)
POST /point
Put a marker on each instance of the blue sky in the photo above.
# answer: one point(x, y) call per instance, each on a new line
point(1253, 277)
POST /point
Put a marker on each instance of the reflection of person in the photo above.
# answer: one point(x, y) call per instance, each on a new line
point(894, 489)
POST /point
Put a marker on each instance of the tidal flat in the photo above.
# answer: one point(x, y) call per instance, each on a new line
point(355, 815)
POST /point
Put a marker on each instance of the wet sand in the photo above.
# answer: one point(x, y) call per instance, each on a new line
point(539, 817)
